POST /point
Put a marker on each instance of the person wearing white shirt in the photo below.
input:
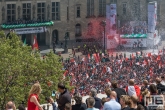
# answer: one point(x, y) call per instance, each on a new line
point(91, 103)
point(163, 80)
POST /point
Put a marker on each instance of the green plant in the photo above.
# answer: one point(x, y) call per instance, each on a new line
point(20, 68)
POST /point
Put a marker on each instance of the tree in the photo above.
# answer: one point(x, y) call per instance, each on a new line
point(20, 68)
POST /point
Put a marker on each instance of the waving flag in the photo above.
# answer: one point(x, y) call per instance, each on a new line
point(35, 43)
point(24, 43)
point(96, 58)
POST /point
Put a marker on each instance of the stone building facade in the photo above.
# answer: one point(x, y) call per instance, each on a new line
point(80, 18)
point(72, 16)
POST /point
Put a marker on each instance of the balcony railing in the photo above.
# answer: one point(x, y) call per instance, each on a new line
point(23, 24)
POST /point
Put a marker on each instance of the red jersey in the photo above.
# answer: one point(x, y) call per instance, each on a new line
point(31, 105)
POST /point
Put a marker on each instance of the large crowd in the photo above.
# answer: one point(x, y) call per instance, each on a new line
point(125, 80)
point(98, 70)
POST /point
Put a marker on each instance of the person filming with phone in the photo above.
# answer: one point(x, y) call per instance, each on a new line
point(64, 96)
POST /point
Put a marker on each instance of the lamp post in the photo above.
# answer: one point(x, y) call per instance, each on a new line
point(104, 24)
point(66, 38)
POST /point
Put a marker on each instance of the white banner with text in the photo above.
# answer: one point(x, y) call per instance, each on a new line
point(30, 30)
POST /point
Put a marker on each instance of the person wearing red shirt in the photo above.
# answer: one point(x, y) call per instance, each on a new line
point(33, 100)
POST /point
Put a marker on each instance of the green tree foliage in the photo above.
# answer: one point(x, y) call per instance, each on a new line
point(20, 68)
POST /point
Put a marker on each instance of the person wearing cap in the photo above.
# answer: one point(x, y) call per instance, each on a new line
point(64, 96)
point(93, 94)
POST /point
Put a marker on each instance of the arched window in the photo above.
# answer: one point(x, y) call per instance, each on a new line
point(90, 29)
point(78, 30)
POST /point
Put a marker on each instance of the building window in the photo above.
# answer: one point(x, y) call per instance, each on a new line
point(11, 12)
point(90, 29)
point(135, 9)
point(113, 1)
point(124, 8)
point(26, 13)
point(102, 7)
point(55, 10)
point(78, 11)
point(78, 30)
point(41, 11)
point(90, 8)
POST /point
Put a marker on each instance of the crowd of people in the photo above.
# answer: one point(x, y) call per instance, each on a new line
point(125, 80)
point(128, 29)
point(132, 97)
point(97, 69)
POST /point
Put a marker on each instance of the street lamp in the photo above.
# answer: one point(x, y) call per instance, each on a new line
point(104, 24)
point(66, 38)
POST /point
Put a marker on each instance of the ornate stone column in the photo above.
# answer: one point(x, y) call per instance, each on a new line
point(19, 11)
point(48, 12)
point(34, 11)
point(3, 14)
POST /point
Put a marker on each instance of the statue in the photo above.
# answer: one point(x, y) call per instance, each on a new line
point(66, 38)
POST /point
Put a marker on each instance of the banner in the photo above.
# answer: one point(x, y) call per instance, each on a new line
point(131, 42)
point(112, 41)
point(111, 19)
point(134, 36)
point(152, 16)
point(30, 30)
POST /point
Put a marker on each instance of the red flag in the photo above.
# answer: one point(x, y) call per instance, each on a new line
point(35, 43)
point(72, 60)
point(65, 73)
point(158, 58)
point(89, 56)
point(104, 69)
point(126, 59)
point(149, 54)
point(133, 55)
point(96, 59)
point(145, 62)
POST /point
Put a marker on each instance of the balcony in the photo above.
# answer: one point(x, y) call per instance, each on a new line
point(26, 24)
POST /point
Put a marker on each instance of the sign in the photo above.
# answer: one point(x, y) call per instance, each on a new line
point(134, 36)
point(112, 41)
point(152, 16)
point(111, 19)
point(154, 101)
point(130, 42)
point(30, 30)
